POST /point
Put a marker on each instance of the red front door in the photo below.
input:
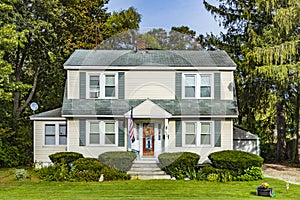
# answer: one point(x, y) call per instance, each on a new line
point(148, 139)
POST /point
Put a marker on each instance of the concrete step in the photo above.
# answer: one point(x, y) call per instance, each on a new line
point(149, 177)
point(146, 172)
point(146, 169)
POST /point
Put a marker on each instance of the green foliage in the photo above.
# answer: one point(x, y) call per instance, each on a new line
point(235, 160)
point(83, 169)
point(120, 160)
point(20, 174)
point(212, 177)
point(65, 157)
point(226, 175)
point(179, 165)
point(35, 39)
point(55, 172)
point(10, 155)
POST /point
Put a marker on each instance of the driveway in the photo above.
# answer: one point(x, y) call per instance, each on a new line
point(282, 172)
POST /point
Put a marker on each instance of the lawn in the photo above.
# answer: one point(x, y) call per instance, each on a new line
point(137, 189)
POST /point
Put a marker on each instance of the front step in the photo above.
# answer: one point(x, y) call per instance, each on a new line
point(146, 169)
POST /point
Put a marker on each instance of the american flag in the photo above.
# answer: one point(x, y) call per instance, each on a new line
point(131, 135)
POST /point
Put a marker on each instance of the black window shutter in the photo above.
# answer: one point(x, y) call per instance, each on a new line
point(218, 133)
point(178, 139)
point(217, 85)
point(121, 137)
point(82, 85)
point(178, 85)
point(82, 132)
point(121, 85)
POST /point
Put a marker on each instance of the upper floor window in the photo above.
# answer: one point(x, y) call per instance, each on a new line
point(55, 134)
point(102, 133)
point(102, 85)
point(197, 133)
point(197, 86)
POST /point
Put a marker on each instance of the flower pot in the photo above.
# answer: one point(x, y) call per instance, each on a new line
point(267, 192)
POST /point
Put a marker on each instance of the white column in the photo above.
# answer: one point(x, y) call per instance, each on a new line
point(166, 134)
point(128, 135)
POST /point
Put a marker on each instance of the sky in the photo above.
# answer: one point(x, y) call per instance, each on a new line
point(168, 13)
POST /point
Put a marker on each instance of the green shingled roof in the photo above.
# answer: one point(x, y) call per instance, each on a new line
point(176, 58)
point(174, 107)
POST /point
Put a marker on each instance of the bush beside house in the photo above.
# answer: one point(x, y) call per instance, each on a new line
point(233, 165)
point(121, 160)
point(179, 165)
point(67, 168)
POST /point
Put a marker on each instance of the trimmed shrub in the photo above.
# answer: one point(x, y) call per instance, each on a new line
point(166, 159)
point(65, 157)
point(83, 169)
point(121, 160)
point(179, 165)
point(86, 169)
point(235, 160)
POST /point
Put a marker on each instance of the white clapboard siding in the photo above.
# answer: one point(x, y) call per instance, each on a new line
point(41, 151)
point(73, 84)
point(150, 84)
point(227, 83)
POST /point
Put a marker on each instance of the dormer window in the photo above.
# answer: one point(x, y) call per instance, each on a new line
point(102, 85)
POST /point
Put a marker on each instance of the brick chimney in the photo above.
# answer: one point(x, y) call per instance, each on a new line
point(141, 44)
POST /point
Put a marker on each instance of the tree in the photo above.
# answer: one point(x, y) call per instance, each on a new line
point(263, 42)
point(36, 38)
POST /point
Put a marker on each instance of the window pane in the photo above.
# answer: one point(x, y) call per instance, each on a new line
point(62, 140)
point(94, 127)
point(190, 128)
point(190, 91)
point(94, 133)
point(205, 139)
point(50, 140)
point(50, 134)
point(94, 86)
point(205, 80)
point(190, 139)
point(110, 127)
point(205, 128)
point(50, 129)
point(109, 91)
point(62, 134)
point(110, 80)
point(109, 133)
point(190, 80)
point(109, 138)
point(205, 91)
point(94, 138)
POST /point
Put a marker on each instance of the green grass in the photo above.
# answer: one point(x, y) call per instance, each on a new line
point(139, 189)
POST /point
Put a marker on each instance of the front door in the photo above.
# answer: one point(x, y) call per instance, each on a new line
point(148, 139)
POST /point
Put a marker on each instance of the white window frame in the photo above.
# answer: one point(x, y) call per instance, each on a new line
point(56, 134)
point(102, 133)
point(198, 133)
point(102, 81)
point(198, 85)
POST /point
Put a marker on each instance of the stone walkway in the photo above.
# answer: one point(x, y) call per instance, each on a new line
point(282, 172)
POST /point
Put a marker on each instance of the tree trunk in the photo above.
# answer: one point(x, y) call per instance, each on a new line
point(297, 150)
point(281, 134)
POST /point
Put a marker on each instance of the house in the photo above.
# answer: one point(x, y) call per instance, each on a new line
point(245, 141)
point(178, 100)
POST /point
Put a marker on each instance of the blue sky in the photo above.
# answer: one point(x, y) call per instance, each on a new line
point(168, 13)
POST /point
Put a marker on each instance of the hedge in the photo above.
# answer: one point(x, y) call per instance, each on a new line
point(235, 160)
point(121, 160)
point(65, 157)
